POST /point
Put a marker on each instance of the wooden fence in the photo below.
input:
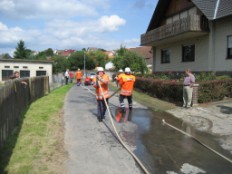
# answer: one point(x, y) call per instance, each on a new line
point(15, 97)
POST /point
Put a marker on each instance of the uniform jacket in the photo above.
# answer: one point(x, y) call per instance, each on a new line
point(126, 83)
point(104, 86)
point(78, 75)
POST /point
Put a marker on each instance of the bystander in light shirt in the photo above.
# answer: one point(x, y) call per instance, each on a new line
point(188, 80)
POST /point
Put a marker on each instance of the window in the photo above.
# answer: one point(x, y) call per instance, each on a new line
point(6, 74)
point(24, 73)
point(188, 53)
point(229, 47)
point(165, 56)
point(40, 73)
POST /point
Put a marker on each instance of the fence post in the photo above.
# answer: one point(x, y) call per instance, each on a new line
point(195, 95)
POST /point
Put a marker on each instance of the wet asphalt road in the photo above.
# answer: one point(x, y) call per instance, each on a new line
point(161, 149)
point(172, 152)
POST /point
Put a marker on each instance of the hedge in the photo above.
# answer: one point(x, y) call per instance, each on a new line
point(172, 90)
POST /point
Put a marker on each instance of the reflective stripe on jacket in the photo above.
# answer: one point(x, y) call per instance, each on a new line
point(104, 86)
point(127, 84)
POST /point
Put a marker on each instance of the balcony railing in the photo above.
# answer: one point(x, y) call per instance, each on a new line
point(188, 24)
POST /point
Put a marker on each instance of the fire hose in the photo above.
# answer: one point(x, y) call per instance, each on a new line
point(117, 134)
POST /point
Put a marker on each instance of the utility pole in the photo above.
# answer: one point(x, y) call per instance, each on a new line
point(84, 65)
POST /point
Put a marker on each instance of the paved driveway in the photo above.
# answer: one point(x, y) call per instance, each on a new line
point(91, 148)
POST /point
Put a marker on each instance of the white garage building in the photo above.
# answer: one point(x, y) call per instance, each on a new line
point(26, 68)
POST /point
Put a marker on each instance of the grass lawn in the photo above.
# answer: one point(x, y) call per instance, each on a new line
point(37, 146)
point(152, 103)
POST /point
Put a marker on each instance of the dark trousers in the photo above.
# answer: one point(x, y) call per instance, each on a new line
point(101, 107)
point(78, 82)
point(122, 104)
point(66, 80)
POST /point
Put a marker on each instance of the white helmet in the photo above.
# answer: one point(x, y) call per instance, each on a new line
point(120, 70)
point(127, 70)
point(78, 69)
point(100, 69)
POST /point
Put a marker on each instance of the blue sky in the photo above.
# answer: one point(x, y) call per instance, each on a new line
point(73, 24)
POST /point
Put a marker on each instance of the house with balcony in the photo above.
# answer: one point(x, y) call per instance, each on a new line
point(195, 34)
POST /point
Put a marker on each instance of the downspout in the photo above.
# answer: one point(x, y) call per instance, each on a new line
point(216, 9)
point(213, 48)
point(154, 59)
point(213, 37)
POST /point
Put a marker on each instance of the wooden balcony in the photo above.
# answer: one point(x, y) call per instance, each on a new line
point(190, 26)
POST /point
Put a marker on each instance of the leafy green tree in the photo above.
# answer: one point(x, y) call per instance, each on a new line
point(125, 58)
point(20, 52)
point(99, 57)
point(49, 52)
point(76, 60)
point(5, 56)
point(43, 55)
point(89, 63)
point(60, 64)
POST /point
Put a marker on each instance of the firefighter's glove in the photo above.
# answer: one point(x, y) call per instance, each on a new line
point(100, 79)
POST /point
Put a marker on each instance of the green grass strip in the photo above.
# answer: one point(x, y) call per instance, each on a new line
point(37, 146)
point(152, 103)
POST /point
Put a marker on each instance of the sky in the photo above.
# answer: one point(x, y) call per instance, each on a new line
point(73, 24)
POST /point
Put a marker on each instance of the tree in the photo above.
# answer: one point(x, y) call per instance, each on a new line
point(125, 58)
point(5, 56)
point(60, 64)
point(76, 60)
point(21, 51)
point(99, 57)
point(44, 55)
point(49, 52)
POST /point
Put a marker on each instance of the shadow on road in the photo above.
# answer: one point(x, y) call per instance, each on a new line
point(225, 109)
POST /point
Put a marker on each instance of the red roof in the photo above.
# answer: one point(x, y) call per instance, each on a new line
point(66, 53)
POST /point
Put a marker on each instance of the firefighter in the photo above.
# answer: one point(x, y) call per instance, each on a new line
point(78, 77)
point(100, 82)
point(120, 73)
point(126, 83)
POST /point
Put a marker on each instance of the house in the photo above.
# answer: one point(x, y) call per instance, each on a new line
point(64, 53)
point(145, 52)
point(26, 68)
point(195, 34)
point(110, 54)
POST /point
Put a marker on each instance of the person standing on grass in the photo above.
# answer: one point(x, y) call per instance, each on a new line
point(71, 76)
point(189, 80)
point(100, 82)
point(66, 75)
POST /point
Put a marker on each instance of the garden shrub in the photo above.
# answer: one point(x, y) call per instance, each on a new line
point(172, 90)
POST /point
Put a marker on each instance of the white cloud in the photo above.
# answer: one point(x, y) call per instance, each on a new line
point(111, 23)
point(65, 29)
point(27, 9)
point(61, 24)
point(62, 34)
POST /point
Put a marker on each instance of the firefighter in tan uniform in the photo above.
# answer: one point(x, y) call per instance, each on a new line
point(126, 83)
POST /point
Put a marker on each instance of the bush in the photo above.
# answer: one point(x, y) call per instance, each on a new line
point(172, 90)
point(214, 90)
point(169, 90)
